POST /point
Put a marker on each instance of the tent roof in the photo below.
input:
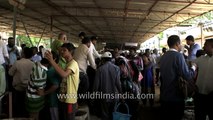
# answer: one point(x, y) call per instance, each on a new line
point(111, 20)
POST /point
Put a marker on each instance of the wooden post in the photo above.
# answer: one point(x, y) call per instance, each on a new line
point(10, 105)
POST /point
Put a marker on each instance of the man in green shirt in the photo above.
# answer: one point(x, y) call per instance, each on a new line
point(56, 45)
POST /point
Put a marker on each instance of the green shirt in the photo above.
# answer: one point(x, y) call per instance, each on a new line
point(2, 80)
point(56, 45)
point(52, 79)
point(62, 63)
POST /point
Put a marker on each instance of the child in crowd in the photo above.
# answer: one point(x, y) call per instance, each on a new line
point(69, 83)
point(51, 90)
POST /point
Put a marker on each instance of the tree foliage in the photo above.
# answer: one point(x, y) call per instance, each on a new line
point(33, 41)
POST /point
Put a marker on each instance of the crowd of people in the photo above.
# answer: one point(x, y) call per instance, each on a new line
point(37, 77)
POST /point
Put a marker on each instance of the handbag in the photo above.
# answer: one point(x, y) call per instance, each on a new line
point(127, 84)
point(121, 116)
point(187, 87)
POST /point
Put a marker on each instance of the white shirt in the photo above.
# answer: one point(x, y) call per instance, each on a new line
point(155, 59)
point(81, 55)
point(205, 76)
point(3, 52)
point(94, 52)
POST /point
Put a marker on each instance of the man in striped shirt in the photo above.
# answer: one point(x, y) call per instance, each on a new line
point(35, 102)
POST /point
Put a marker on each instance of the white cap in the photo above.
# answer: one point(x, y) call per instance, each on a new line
point(106, 55)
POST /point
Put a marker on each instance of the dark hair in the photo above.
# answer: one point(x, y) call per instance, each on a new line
point(28, 52)
point(200, 53)
point(120, 61)
point(94, 38)
point(164, 50)
point(10, 38)
point(147, 50)
point(34, 49)
point(85, 40)
point(104, 59)
point(70, 47)
point(172, 40)
point(82, 34)
point(44, 61)
point(209, 40)
point(190, 38)
point(55, 56)
point(23, 46)
point(41, 46)
point(132, 48)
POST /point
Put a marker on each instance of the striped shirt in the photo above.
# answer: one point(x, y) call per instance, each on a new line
point(34, 102)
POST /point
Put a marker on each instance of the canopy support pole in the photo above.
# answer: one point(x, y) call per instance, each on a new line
point(42, 35)
point(14, 21)
point(51, 30)
point(26, 31)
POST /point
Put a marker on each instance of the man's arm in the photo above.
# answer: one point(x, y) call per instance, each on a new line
point(5, 52)
point(95, 53)
point(91, 60)
point(12, 69)
point(185, 71)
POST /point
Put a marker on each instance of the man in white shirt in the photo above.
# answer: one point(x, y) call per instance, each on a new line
point(156, 57)
point(3, 53)
point(82, 54)
point(204, 97)
point(92, 47)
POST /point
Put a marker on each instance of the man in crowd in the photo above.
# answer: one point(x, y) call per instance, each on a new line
point(193, 47)
point(107, 81)
point(204, 97)
point(56, 45)
point(172, 66)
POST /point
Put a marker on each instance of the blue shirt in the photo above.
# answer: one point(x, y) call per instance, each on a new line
point(107, 79)
point(172, 64)
point(192, 52)
point(12, 54)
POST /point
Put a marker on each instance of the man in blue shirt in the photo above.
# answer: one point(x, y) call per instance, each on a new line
point(193, 47)
point(107, 81)
point(173, 65)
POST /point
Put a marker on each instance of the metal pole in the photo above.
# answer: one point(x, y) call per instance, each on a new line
point(42, 35)
point(202, 36)
point(51, 30)
point(10, 105)
point(14, 21)
point(159, 44)
point(26, 31)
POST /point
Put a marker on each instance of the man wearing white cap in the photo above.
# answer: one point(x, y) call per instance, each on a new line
point(107, 81)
